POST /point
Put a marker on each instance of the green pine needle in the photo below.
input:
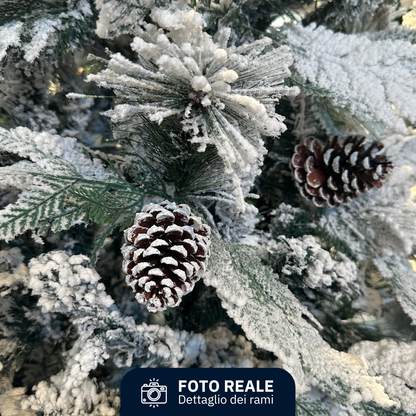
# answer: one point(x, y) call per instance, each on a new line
point(306, 407)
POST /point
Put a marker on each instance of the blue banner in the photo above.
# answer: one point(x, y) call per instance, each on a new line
point(205, 391)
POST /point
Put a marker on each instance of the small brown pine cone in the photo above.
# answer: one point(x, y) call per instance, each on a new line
point(165, 254)
point(341, 170)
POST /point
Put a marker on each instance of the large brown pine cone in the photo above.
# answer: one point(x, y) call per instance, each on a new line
point(165, 254)
point(341, 170)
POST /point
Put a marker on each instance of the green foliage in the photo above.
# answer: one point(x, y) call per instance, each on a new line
point(5, 120)
point(60, 202)
point(198, 311)
point(332, 241)
point(58, 192)
point(400, 275)
point(306, 87)
point(249, 18)
point(231, 16)
point(301, 224)
point(352, 16)
point(274, 319)
point(307, 407)
point(35, 209)
point(372, 409)
point(71, 24)
point(25, 330)
point(110, 206)
point(174, 162)
point(19, 9)
point(103, 202)
point(339, 120)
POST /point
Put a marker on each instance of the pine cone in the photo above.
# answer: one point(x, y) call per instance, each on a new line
point(343, 169)
point(165, 254)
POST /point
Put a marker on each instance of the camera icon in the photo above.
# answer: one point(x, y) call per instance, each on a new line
point(154, 394)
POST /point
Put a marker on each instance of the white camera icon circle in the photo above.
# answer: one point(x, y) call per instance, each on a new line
point(153, 393)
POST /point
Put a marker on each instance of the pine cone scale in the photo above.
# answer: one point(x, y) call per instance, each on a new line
point(316, 178)
point(300, 175)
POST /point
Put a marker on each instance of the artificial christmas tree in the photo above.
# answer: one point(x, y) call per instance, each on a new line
point(110, 109)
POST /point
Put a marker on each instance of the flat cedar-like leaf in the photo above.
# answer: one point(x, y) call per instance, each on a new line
point(274, 319)
point(371, 81)
point(61, 186)
point(381, 226)
point(395, 362)
point(371, 409)
point(307, 407)
point(39, 27)
point(43, 200)
point(399, 273)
